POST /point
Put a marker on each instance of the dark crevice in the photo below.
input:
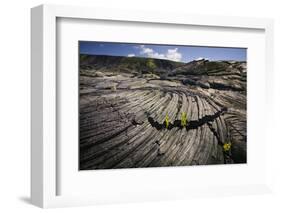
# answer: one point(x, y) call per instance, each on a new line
point(190, 124)
point(215, 133)
point(226, 155)
point(224, 87)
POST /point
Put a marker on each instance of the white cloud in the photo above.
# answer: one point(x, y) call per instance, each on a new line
point(131, 55)
point(171, 54)
point(145, 50)
point(156, 55)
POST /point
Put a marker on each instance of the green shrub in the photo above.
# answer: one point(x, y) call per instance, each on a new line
point(150, 64)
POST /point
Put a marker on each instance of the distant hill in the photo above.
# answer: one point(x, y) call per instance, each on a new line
point(127, 64)
point(138, 65)
point(203, 73)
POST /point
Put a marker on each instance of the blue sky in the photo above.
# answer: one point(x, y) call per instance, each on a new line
point(169, 52)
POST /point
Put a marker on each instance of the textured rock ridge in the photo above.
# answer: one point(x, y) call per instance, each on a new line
point(123, 113)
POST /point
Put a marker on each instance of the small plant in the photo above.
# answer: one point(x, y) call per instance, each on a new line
point(150, 64)
point(227, 146)
point(183, 119)
point(167, 121)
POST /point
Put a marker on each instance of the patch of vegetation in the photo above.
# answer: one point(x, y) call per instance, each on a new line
point(226, 147)
point(167, 121)
point(183, 119)
point(150, 65)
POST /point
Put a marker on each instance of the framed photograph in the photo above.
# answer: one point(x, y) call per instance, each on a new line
point(129, 106)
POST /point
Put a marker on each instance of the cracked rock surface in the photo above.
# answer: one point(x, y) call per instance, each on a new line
point(124, 106)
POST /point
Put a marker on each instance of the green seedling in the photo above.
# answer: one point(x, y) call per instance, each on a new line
point(167, 121)
point(183, 119)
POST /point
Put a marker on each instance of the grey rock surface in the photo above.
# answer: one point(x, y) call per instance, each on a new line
point(123, 115)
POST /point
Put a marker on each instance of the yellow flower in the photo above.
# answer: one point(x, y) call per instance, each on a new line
point(226, 147)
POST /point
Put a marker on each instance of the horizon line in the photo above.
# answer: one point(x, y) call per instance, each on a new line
point(206, 59)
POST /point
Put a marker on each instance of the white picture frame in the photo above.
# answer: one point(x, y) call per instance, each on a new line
point(44, 154)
